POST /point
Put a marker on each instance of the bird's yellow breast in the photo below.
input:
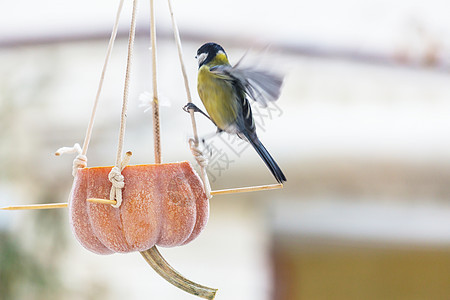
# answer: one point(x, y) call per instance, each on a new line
point(218, 98)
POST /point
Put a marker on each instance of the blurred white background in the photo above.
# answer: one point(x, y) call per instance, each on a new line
point(361, 132)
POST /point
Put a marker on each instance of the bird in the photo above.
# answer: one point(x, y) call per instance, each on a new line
point(224, 92)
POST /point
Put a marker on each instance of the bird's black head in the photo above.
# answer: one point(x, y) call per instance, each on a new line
point(208, 52)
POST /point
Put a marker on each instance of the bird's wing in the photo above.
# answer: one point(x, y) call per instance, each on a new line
point(260, 85)
point(222, 72)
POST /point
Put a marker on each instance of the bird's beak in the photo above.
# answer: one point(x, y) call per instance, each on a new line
point(196, 57)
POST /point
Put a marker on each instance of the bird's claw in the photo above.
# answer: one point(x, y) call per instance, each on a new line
point(190, 106)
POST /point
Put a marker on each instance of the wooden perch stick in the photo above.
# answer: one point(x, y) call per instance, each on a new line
point(35, 206)
point(218, 192)
point(107, 201)
point(248, 189)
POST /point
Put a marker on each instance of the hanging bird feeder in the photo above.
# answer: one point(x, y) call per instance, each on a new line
point(127, 208)
point(162, 204)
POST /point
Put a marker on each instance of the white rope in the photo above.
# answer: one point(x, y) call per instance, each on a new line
point(102, 78)
point(115, 176)
point(69, 150)
point(80, 160)
point(202, 161)
point(155, 103)
point(193, 143)
point(199, 157)
point(117, 180)
point(126, 85)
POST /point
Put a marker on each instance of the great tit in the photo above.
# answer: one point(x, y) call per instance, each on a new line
point(223, 90)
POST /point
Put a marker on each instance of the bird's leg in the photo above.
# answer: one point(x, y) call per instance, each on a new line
point(207, 147)
point(203, 139)
point(210, 135)
point(207, 137)
point(194, 107)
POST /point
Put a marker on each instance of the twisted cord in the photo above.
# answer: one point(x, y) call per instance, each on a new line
point(193, 143)
point(155, 106)
point(80, 160)
point(117, 180)
point(202, 161)
point(102, 78)
point(123, 116)
point(198, 154)
point(115, 176)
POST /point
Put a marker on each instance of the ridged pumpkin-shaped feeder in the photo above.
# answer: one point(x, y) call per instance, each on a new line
point(162, 204)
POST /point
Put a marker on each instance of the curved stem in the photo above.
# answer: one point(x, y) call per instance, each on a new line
point(160, 265)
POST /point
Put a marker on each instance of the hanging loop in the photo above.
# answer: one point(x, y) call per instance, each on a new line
point(80, 160)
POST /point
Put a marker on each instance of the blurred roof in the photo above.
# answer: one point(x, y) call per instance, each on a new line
point(409, 29)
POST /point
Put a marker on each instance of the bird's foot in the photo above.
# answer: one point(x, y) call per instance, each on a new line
point(190, 106)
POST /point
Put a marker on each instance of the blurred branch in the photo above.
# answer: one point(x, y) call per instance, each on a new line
point(398, 57)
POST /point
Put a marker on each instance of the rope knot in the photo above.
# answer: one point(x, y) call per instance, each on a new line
point(117, 180)
point(80, 160)
point(198, 154)
point(202, 161)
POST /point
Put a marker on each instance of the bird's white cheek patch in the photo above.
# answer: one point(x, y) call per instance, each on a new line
point(201, 58)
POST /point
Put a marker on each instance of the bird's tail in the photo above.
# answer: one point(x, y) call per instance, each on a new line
point(266, 157)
